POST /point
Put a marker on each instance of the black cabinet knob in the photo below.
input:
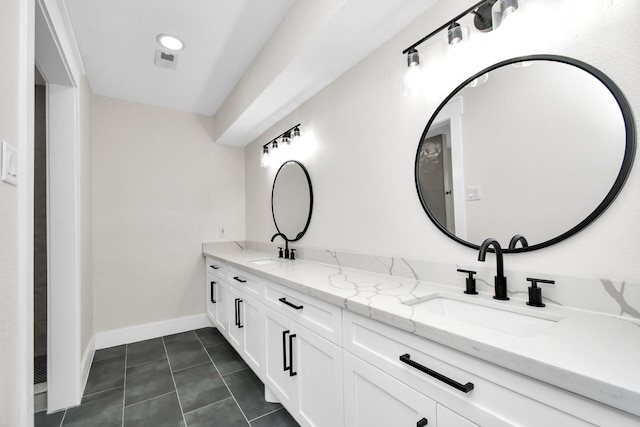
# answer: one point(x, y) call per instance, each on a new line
point(423, 422)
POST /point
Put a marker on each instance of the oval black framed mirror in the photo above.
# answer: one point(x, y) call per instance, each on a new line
point(537, 146)
point(292, 200)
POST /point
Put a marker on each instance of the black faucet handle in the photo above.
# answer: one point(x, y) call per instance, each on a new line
point(535, 293)
point(279, 252)
point(470, 281)
point(534, 281)
point(292, 254)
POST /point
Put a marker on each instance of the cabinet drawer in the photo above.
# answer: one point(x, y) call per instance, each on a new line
point(320, 317)
point(216, 268)
point(247, 283)
point(373, 398)
point(497, 397)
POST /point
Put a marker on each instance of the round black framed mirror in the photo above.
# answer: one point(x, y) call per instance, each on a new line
point(536, 146)
point(292, 200)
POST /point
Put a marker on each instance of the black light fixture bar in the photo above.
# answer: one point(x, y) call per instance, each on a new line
point(282, 134)
point(446, 25)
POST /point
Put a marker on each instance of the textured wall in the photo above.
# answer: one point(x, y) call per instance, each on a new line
point(160, 188)
point(366, 133)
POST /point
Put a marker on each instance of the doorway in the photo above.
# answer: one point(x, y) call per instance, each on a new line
point(65, 376)
point(40, 291)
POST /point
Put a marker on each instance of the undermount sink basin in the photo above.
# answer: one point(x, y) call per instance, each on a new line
point(510, 320)
point(265, 261)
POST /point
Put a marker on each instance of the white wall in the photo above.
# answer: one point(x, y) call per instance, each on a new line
point(160, 188)
point(366, 134)
point(16, 277)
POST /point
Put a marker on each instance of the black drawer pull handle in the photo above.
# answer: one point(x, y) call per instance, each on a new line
point(215, 267)
point(284, 351)
point(239, 279)
point(238, 315)
point(213, 299)
point(465, 388)
point(284, 300)
point(236, 310)
point(423, 422)
point(291, 373)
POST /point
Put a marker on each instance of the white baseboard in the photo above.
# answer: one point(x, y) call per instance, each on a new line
point(87, 359)
point(150, 330)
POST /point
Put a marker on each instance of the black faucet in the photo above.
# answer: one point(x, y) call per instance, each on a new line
point(518, 238)
point(500, 281)
point(286, 243)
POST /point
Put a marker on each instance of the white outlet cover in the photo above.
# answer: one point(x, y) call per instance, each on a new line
point(473, 193)
point(9, 164)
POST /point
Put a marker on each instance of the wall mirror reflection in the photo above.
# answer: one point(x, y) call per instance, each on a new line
point(535, 146)
point(292, 200)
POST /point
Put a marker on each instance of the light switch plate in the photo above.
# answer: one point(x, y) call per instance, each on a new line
point(9, 164)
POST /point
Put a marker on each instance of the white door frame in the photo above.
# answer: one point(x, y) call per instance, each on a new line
point(64, 354)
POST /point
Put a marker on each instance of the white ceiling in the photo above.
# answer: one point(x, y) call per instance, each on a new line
point(117, 42)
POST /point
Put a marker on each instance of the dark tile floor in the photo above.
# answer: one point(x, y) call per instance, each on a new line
point(190, 379)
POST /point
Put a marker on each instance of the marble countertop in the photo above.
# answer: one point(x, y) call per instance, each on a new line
point(590, 354)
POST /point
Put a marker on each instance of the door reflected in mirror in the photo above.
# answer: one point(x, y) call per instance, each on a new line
point(292, 200)
point(538, 150)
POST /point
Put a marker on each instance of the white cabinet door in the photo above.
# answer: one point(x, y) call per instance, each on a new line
point(318, 365)
point(374, 399)
point(235, 307)
point(448, 418)
point(252, 313)
point(211, 285)
point(277, 332)
point(304, 370)
point(220, 309)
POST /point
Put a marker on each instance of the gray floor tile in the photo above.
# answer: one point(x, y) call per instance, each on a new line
point(110, 353)
point(200, 386)
point(280, 418)
point(248, 390)
point(186, 353)
point(181, 337)
point(105, 374)
point(147, 381)
point(210, 336)
point(221, 414)
point(163, 411)
point(226, 358)
point(145, 351)
point(102, 409)
point(41, 419)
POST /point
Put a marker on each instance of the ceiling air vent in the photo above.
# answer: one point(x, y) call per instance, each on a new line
point(166, 59)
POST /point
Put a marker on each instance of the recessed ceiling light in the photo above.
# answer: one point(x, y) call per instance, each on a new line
point(170, 42)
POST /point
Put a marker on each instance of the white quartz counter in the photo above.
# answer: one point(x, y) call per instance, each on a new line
point(593, 355)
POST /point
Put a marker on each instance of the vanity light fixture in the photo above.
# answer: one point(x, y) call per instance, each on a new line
point(507, 7)
point(170, 42)
point(454, 33)
point(285, 137)
point(485, 13)
point(264, 159)
point(413, 57)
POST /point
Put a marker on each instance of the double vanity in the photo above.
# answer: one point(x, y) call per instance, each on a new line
point(339, 346)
